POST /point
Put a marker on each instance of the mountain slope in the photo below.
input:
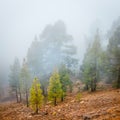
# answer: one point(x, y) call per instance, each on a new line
point(100, 105)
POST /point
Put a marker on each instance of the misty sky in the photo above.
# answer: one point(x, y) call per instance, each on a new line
point(21, 20)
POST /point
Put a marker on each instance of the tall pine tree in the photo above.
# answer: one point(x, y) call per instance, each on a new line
point(113, 50)
point(25, 81)
point(14, 79)
point(90, 67)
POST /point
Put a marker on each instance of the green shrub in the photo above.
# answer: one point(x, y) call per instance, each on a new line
point(78, 97)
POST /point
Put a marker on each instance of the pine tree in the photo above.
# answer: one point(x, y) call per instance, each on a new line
point(25, 81)
point(14, 79)
point(91, 65)
point(36, 97)
point(64, 80)
point(114, 56)
point(55, 88)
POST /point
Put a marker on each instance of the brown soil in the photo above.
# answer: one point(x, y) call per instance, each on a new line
point(100, 105)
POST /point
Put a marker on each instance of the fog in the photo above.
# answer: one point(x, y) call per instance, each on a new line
point(21, 20)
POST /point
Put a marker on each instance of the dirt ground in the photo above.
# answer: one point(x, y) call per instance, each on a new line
point(100, 105)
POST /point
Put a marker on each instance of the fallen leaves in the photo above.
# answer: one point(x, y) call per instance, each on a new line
point(95, 106)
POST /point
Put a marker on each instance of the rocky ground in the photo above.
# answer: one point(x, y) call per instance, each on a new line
point(100, 105)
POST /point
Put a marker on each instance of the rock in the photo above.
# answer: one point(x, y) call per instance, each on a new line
point(46, 113)
point(72, 101)
point(66, 105)
point(29, 117)
point(59, 110)
point(86, 117)
point(114, 115)
point(81, 102)
point(110, 110)
point(54, 113)
point(118, 91)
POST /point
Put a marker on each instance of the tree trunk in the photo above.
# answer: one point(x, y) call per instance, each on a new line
point(43, 90)
point(20, 95)
point(86, 86)
point(94, 86)
point(55, 101)
point(36, 109)
point(16, 95)
point(70, 87)
point(27, 103)
point(91, 86)
point(62, 98)
point(92, 90)
point(118, 78)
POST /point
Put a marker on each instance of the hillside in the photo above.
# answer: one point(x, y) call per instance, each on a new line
point(100, 105)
